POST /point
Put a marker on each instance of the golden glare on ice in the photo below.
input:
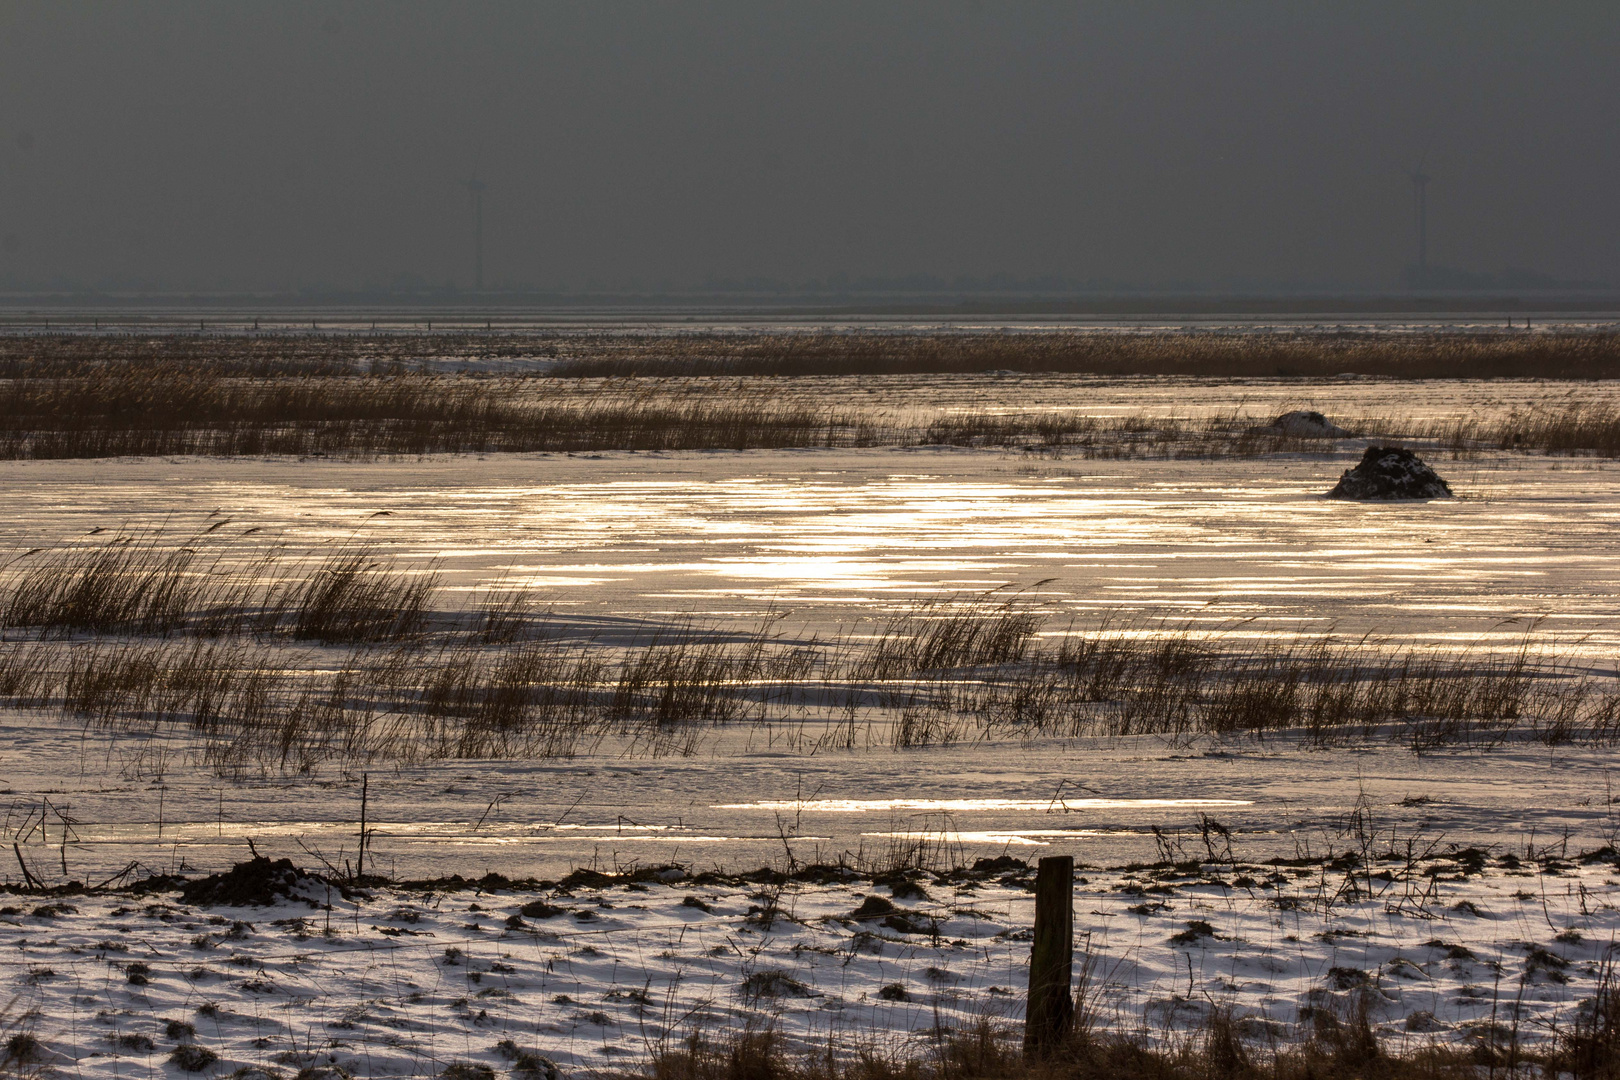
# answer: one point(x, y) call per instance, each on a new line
point(862, 806)
point(1014, 838)
point(831, 540)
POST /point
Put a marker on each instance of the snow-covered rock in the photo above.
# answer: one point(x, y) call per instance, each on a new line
point(1306, 424)
point(1390, 472)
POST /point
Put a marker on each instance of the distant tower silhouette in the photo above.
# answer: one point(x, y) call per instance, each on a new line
point(1420, 191)
point(475, 187)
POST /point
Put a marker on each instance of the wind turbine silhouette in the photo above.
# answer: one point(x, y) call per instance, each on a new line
point(475, 188)
point(1420, 192)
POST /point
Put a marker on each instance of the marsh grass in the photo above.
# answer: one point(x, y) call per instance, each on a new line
point(1214, 355)
point(267, 703)
point(1180, 684)
point(595, 353)
point(1338, 1045)
point(165, 412)
point(110, 412)
point(139, 583)
point(362, 397)
point(1581, 427)
point(943, 635)
point(152, 583)
point(1590, 1046)
point(355, 595)
point(286, 662)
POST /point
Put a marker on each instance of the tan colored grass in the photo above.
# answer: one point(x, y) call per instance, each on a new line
point(364, 396)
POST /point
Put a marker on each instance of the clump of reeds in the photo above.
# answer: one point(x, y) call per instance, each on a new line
point(989, 1050)
point(356, 595)
point(1581, 427)
point(155, 584)
point(948, 635)
point(360, 397)
point(141, 631)
point(135, 584)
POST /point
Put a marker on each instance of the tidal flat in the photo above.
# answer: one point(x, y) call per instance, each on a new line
point(1368, 746)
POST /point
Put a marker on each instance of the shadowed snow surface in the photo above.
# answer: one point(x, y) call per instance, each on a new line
point(403, 982)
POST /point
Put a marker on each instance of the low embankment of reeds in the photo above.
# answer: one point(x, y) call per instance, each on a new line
point(1581, 427)
point(113, 412)
point(1572, 355)
point(362, 397)
point(1547, 354)
point(290, 661)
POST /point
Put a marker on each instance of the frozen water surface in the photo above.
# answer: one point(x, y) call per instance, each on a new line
point(830, 542)
point(826, 540)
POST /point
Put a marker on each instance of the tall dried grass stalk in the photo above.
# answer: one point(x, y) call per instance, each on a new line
point(289, 661)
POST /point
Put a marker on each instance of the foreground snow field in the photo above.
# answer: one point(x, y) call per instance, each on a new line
point(392, 981)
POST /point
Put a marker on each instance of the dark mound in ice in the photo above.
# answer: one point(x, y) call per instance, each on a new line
point(1305, 424)
point(255, 883)
point(1389, 472)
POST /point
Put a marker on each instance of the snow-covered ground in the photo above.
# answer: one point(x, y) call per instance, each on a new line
point(405, 982)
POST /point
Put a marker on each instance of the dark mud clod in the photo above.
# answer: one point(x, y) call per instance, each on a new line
point(190, 1057)
point(539, 909)
point(999, 864)
point(256, 883)
point(1390, 472)
point(874, 907)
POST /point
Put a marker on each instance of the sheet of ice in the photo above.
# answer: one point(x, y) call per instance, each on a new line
point(741, 804)
point(830, 541)
point(835, 540)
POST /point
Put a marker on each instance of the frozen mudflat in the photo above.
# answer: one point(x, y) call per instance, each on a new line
point(1502, 917)
point(738, 806)
point(829, 540)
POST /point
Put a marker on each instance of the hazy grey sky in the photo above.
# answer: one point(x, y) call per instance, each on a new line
point(226, 145)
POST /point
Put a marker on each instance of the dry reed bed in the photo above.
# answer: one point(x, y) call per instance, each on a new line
point(167, 411)
point(1576, 428)
point(363, 396)
point(261, 356)
point(148, 412)
point(209, 585)
point(592, 353)
point(289, 663)
point(1573, 428)
point(1574, 355)
point(1340, 1044)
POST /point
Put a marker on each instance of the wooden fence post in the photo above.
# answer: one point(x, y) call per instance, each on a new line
point(360, 854)
point(1051, 958)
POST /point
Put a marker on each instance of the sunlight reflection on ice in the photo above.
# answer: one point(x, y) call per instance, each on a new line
point(1015, 837)
point(861, 806)
point(411, 833)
